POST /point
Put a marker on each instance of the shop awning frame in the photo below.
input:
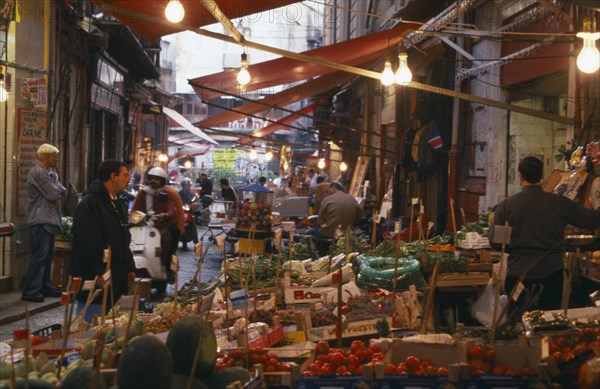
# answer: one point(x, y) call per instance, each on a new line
point(136, 13)
point(183, 122)
point(351, 69)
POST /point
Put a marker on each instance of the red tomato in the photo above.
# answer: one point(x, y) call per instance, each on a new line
point(352, 368)
point(357, 345)
point(412, 364)
point(359, 370)
point(308, 373)
point(389, 369)
point(362, 355)
point(401, 369)
point(326, 369)
point(442, 371)
point(476, 352)
point(477, 372)
point(499, 369)
point(580, 349)
point(377, 356)
point(374, 348)
point(272, 362)
point(336, 359)
point(322, 347)
point(426, 362)
point(430, 370)
point(236, 354)
point(526, 370)
point(560, 341)
point(490, 355)
point(255, 358)
point(270, 368)
point(313, 367)
point(352, 360)
point(341, 370)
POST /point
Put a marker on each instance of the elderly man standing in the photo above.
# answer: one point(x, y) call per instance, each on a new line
point(44, 192)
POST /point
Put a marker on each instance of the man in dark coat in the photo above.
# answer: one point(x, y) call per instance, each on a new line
point(100, 222)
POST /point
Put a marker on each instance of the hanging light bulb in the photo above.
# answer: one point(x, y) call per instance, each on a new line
point(252, 155)
point(162, 157)
point(268, 156)
point(387, 76)
point(343, 167)
point(588, 60)
point(3, 92)
point(188, 164)
point(174, 11)
point(243, 76)
point(321, 163)
point(403, 75)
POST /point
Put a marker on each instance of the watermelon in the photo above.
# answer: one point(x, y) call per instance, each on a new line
point(146, 363)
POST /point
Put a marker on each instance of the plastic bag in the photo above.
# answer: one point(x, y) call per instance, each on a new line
point(483, 308)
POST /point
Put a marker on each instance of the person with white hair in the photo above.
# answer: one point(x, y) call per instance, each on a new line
point(44, 192)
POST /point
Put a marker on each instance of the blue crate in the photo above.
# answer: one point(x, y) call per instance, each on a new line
point(332, 381)
point(504, 382)
point(413, 382)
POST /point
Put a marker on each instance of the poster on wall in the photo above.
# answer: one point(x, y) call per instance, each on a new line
point(31, 135)
point(35, 91)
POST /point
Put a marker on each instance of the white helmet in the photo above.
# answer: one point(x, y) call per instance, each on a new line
point(158, 172)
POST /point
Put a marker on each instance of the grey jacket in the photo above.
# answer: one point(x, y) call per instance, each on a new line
point(44, 193)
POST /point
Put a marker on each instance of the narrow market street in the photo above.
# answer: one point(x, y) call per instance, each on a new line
point(211, 269)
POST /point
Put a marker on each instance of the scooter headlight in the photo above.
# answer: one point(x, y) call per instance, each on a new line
point(136, 217)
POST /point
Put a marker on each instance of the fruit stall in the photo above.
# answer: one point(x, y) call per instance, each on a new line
point(366, 315)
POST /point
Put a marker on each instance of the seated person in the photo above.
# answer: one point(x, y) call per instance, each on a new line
point(339, 210)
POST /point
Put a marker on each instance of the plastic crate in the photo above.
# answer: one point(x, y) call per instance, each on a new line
point(332, 381)
point(403, 381)
point(504, 382)
point(53, 331)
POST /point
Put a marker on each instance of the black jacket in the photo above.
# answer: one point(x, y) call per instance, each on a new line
point(96, 226)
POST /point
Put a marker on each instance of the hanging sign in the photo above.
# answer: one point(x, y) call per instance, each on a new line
point(35, 91)
point(31, 135)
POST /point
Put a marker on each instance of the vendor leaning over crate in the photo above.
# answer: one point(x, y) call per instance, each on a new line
point(538, 220)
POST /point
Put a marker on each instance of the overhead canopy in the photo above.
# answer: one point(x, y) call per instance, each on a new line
point(196, 15)
point(353, 52)
point(279, 125)
point(281, 99)
point(183, 122)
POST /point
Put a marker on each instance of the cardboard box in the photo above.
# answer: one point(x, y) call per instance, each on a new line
point(526, 351)
point(441, 354)
point(358, 328)
point(298, 295)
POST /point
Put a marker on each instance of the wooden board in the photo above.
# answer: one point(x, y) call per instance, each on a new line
point(462, 279)
point(360, 171)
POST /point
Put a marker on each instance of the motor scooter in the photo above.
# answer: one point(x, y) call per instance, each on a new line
point(146, 248)
point(190, 233)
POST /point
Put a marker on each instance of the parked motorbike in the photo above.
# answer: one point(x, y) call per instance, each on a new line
point(190, 233)
point(146, 248)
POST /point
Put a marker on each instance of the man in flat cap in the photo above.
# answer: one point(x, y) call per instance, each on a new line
point(43, 215)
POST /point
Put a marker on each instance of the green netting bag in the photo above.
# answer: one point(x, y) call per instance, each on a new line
point(378, 272)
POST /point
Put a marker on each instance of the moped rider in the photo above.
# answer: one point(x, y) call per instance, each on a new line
point(190, 198)
point(165, 203)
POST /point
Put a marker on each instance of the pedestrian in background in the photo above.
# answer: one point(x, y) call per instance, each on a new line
point(100, 222)
point(44, 192)
point(229, 195)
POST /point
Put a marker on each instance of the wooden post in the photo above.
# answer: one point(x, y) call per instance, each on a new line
point(492, 333)
point(106, 280)
point(569, 261)
point(427, 311)
point(453, 221)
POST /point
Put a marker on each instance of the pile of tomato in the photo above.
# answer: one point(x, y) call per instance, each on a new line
point(335, 361)
point(256, 355)
point(414, 366)
point(567, 348)
point(483, 361)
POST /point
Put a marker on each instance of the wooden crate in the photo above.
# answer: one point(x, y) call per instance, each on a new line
point(462, 279)
point(145, 284)
point(60, 263)
point(252, 246)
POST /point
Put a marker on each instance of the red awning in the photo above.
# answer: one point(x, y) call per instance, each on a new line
point(279, 125)
point(353, 52)
point(195, 13)
point(281, 99)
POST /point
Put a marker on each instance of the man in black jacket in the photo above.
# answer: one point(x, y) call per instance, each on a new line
point(100, 223)
point(538, 220)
